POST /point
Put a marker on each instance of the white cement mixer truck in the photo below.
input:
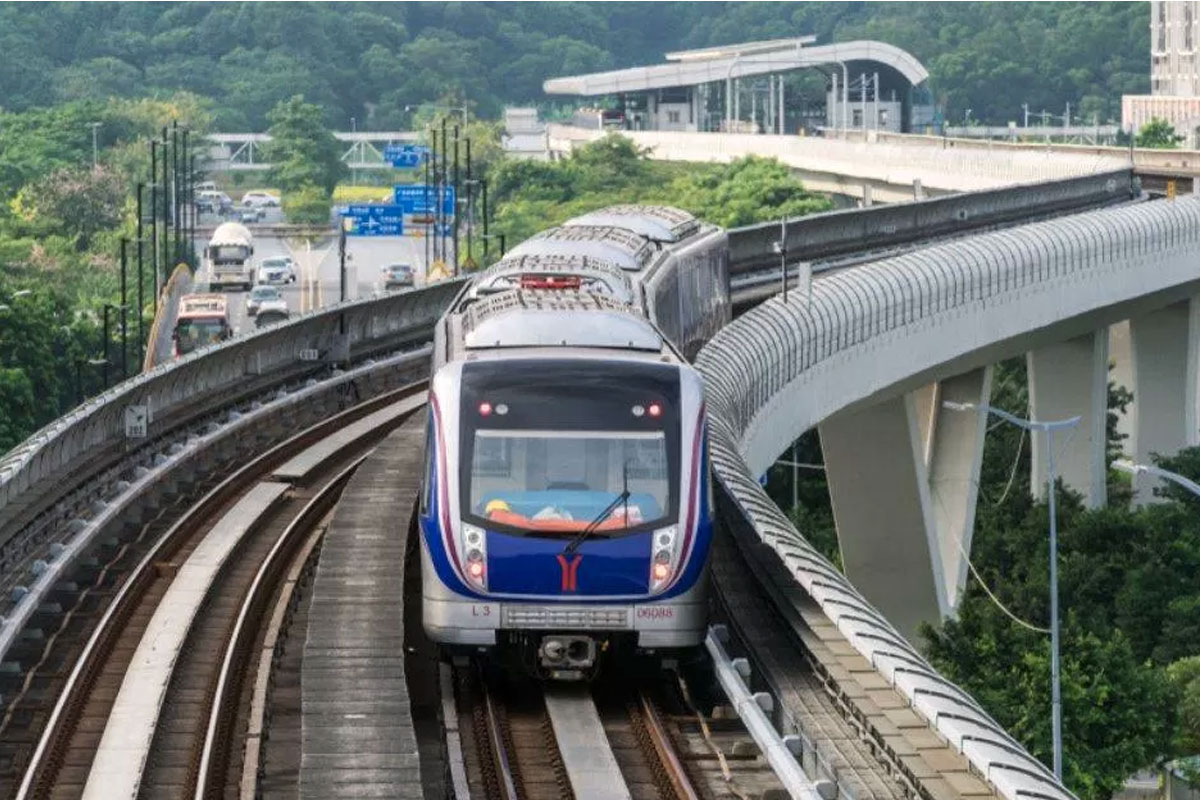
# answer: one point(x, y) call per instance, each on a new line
point(227, 257)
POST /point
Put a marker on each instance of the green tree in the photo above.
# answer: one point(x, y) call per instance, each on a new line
point(1117, 713)
point(531, 195)
point(72, 202)
point(1185, 677)
point(302, 150)
point(307, 204)
point(18, 417)
point(751, 189)
point(1158, 134)
point(372, 61)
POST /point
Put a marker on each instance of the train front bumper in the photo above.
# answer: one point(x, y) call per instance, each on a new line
point(467, 622)
point(451, 619)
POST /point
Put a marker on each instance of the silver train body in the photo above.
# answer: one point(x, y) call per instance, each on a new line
point(566, 508)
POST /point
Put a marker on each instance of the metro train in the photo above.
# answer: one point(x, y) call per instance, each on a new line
point(566, 510)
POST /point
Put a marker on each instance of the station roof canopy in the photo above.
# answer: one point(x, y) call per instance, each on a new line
point(694, 67)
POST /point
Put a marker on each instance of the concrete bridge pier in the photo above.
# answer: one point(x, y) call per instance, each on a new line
point(1068, 379)
point(903, 478)
point(1165, 350)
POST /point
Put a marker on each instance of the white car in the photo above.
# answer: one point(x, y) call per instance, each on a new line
point(264, 299)
point(205, 186)
point(259, 200)
point(276, 270)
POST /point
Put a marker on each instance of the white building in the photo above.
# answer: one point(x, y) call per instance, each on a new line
point(1174, 71)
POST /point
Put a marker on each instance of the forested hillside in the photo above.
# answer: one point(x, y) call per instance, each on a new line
point(369, 61)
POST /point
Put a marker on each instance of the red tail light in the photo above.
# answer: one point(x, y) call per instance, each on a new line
point(531, 281)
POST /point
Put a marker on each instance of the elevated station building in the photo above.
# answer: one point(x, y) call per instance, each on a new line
point(749, 88)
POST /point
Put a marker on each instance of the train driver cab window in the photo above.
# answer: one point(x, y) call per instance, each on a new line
point(551, 447)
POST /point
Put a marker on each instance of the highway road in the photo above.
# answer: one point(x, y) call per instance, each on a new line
point(317, 270)
point(318, 281)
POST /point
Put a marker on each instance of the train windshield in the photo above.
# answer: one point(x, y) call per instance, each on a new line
point(551, 447)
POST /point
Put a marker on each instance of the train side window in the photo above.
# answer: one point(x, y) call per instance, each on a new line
point(427, 484)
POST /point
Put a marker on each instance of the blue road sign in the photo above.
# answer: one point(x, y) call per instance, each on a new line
point(380, 219)
point(415, 198)
point(406, 156)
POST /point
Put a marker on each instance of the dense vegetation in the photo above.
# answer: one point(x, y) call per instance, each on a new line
point(61, 218)
point(1129, 599)
point(533, 195)
point(372, 61)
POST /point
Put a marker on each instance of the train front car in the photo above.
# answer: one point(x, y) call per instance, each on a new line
point(566, 514)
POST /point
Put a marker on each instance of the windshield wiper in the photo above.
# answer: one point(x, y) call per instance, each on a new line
point(582, 536)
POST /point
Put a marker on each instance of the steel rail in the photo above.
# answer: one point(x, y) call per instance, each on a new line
point(665, 750)
point(496, 741)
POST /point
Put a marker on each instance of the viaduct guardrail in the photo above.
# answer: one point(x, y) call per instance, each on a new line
point(784, 367)
point(1143, 160)
point(837, 233)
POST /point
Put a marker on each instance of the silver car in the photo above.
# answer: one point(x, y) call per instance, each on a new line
point(277, 270)
point(263, 298)
point(397, 276)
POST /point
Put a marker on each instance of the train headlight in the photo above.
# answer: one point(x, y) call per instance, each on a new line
point(475, 555)
point(664, 555)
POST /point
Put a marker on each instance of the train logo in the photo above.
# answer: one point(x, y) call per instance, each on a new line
point(570, 572)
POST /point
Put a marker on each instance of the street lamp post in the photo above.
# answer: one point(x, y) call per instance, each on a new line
point(1158, 472)
point(105, 360)
point(141, 285)
point(429, 158)
point(470, 187)
point(1047, 429)
point(154, 217)
point(454, 218)
point(124, 307)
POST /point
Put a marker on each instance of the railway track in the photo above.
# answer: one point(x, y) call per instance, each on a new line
point(638, 738)
point(152, 699)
